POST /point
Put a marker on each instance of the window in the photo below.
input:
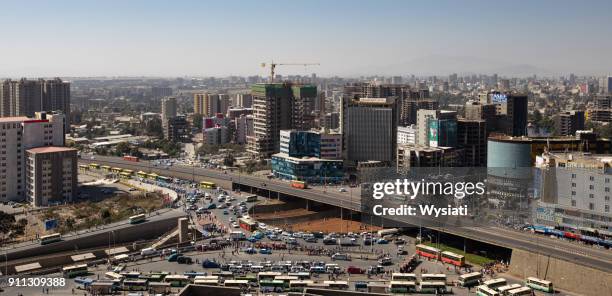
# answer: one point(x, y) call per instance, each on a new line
point(573, 203)
point(573, 184)
point(592, 178)
point(607, 189)
point(573, 192)
point(607, 198)
point(591, 206)
point(591, 195)
point(607, 180)
point(591, 187)
point(607, 208)
point(573, 176)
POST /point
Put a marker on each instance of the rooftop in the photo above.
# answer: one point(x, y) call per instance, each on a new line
point(50, 149)
point(13, 119)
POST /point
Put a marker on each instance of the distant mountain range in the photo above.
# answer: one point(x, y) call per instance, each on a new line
point(444, 65)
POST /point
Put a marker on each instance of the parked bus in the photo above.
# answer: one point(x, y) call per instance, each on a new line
point(113, 276)
point(495, 283)
point(125, 175)
point(251, 198)
point(503, 290)
point(51, 238)
point(206, 282)
point(538, 284)
point(439, 277)
point(94, 166)
point(299, 184)
point(135, 285)
point(236, 283)
point(470, 279)
point(131, 158)
point(427, 251)
point(163, 179)
point(389, 231)
point(337, 285)
point(267, 275)
point(271, 285)
point(452, 258)
point(403, 277)
point(402, 287)
point(483, 290)
point(142, 174)
point(152, 176)
point(177, 280)
point(207, 185)
point(137, 219)
point(432, 287)
point(83, 167)
point(520, 291)
point(116, 170)
point(298, 285)
point(75, 270)
point(106, 168)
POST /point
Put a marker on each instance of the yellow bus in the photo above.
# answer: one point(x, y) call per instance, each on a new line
point(141, 174)
point(127, 171)
point(94, 165)
point(83, 167)
point(152, 176)
point(125, 175)
point(207, 185)
point(116, 170)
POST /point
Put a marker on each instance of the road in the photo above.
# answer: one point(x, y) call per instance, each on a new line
point(569, 251)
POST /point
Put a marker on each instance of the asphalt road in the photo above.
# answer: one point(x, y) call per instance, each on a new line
point(569, 251)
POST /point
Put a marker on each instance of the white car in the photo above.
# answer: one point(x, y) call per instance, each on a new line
point(342, 189)
point(235, 225)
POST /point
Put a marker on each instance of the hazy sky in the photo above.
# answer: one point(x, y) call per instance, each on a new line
point(175, 38)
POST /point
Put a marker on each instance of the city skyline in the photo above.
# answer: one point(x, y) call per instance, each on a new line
point(348, 38)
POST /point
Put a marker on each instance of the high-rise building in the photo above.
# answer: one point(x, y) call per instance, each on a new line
point(331, 120)
point(409, 156)
point(244, 100)
point(517, 115)
point(278, 106)
point(18, 134)
point(168, 107)
point(365, 118)
point(176, 129)
point(244, 128)
point(198, 103)
point(214, 136)
point(25, 97)
point(223, 104)
point(472, 139)
point(605, 85)
point(436, 128)
point(406, 134)
point(568, 122)
point(51, 175)
point(311, 144)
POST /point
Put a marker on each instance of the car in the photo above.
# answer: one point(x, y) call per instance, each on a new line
point(235, 225)
point(311, 240)
point(173, 257)
point(265, 251)
point(355, 270)
point(232, 219)
point(212, 206)
point(342, 189)
point(382, 241)
point(210, 264)
point(252, 239)
point(340, 256)
point(225, 212)
point(399, 241)
point(184, 260)
point(250, 251)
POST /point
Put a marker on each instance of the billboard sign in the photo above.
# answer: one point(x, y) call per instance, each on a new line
point(434, 130)
point(499, 98)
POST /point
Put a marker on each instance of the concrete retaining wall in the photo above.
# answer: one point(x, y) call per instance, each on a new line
point(564, 275)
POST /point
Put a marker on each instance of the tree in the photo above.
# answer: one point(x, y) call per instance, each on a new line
point(229, 160)
point(105, 214)
point(197, 121)
point(122, 148)
point(154, 128)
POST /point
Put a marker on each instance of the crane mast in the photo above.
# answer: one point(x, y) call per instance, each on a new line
point(273, 67)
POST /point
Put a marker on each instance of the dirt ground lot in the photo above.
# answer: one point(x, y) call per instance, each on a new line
point(284, 214)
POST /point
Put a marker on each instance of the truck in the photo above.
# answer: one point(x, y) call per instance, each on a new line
point(131, 158)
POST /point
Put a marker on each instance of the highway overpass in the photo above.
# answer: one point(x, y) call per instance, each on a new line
point(570, 251)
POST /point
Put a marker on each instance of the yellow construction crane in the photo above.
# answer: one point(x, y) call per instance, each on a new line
point(273, 66)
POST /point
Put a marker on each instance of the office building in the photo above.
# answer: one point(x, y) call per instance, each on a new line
point(18, 134)
point(244, 128)
point(511, 111)
point(472, 139)
point(278, 106)
point(244, 100)
point(436, 128)
point(51, 175)
point(233, 113)
point(369, 129)
point(410, 108)
point(422, 156)
point(168, 107)
point(217, 135)
point(25, 97)
point(310, 156)
point(176, 129)
point(602, 110)
point(575, 191)
point(476, 110)
point(332, 120)
point(605, 85)
point(406, 134)
point(568, 122)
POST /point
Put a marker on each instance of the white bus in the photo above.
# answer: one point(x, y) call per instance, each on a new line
point(429, 277)
point(504, 289)
point(538, 284)
point(483, 290)
point(389, 231)
point(402, 287)
point(113, 276)
point(432, 287)
point(403, 277)
point(495, 283)
point(337, 285)
point(267, 275)
point(51, 238)
point(470, 279)
point(520, 291)
point(236, 283)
